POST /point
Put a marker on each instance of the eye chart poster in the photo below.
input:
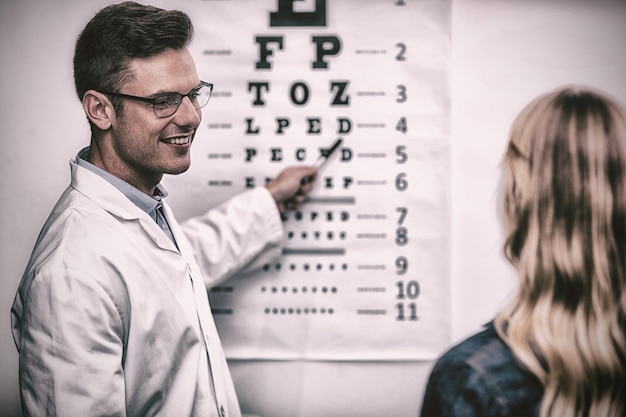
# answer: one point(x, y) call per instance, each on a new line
point(364, 274)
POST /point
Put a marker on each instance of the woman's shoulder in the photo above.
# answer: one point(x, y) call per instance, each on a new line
point(482, 351)
point(482, 367)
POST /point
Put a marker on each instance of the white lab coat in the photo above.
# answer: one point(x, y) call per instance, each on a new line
point(112, 319)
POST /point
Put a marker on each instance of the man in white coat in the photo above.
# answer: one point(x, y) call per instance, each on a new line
point(112, 316)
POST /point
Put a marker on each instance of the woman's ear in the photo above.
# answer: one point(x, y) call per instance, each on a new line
point(98, 109)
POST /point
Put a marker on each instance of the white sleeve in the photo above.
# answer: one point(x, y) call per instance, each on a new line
point(245, 231)
point(71, 348)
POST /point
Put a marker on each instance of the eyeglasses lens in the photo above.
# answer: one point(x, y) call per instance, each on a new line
point(168, 105)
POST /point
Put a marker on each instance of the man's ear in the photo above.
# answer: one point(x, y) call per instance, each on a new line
point(98, 109)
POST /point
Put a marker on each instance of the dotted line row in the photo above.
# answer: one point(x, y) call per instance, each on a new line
point(295, 290)
point(317, 235)
point(305, 267)
point(299, 310)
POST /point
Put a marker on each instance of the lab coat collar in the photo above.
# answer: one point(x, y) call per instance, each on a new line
point(105, 194)
point(109, 198)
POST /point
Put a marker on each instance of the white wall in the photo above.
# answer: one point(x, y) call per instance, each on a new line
point(505, 52)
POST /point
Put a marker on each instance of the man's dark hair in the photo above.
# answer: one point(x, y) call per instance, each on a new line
point(119, 33)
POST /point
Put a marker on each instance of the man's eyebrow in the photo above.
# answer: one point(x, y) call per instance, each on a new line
point(165, 92)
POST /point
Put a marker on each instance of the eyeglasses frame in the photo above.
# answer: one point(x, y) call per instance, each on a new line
point(154, 99)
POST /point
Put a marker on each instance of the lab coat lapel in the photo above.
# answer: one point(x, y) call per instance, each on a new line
point(112, 200)
point(217, 361)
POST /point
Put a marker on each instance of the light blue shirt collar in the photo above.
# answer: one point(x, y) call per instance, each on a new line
point(140, 199)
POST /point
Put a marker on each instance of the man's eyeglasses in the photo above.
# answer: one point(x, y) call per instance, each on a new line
point(165, 105)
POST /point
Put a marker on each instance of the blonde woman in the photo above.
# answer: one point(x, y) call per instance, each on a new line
point(559, 348)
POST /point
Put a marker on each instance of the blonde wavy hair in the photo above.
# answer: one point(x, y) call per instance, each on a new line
point(565, 219)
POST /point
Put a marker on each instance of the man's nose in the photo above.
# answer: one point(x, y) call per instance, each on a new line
point(187, 114)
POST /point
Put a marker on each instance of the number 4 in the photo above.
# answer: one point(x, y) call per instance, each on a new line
point(401, 126)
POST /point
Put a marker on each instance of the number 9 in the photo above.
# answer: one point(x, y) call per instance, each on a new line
point(402, 264)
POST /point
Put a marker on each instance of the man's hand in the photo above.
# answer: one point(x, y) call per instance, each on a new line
point(291, 186)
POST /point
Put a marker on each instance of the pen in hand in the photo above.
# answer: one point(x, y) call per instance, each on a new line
point(323, 158)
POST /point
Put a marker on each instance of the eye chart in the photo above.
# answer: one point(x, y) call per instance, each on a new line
point(364, 274)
